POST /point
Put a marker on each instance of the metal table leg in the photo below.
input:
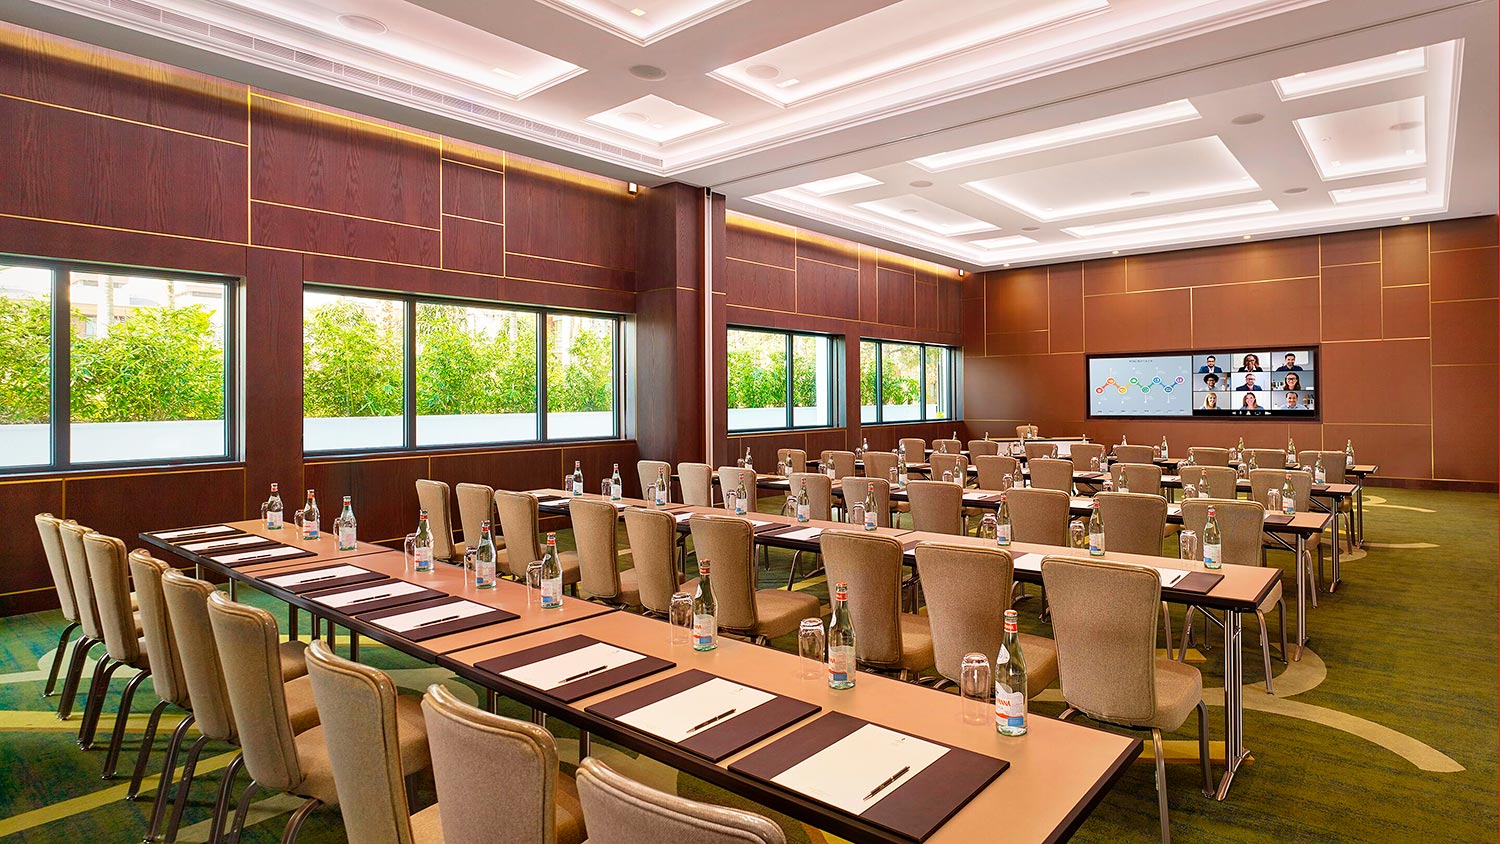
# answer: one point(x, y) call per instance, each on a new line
point(1301, 597)
point(291, 622)
point(1334, 582)
point(1234, 707)
point(1359, 511)
point(353, 646)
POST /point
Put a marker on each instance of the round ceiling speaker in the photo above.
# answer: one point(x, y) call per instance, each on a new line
point(648, 72)
point(921, 183)
point(1247, 119)
point(762, 71)
point(362, 23)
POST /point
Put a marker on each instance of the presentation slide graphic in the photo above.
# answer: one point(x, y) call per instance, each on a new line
point(1233, 382)
point(1141, 386)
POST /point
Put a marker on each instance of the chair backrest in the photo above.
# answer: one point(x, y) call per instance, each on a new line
point(57, 563)
point(1222, 480)
point(1051, 473)
point(476, 505)
point(653, 548)
point(646, 472)
point(1263, 480)
point(955, 463)
point(1139, 477)
point(1267, 458)
point(871, 565)
point(248, 644)
point(357, 706)
point(855, 490)
point(953, 446)
point(725, 541)
point(1027, 431)
point(496, 777)
point(1039, 515)
point(916, 448)
point(936, 506)
point(1083, 456)
point(594, 530)
point(1240, 526)
point(878, 464)
point(967, 588)
point(1036, 450)
point(1135, 453)
point(1209, 456)
point(434, 497)
point(156, 627)
point(843, 463)
point(819, 493)
point(72, 535)
point(619, 810)
point(794, 459)
point(730, 479)
point(697, 483)
point(187, 607)
point(980, 447)
point(1133, 522)
point(519, 523)
point(1104, 623)
point(995, 469)
point(1333, 464)
point(110, 573)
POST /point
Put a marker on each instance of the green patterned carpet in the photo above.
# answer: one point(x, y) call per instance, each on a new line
point(1385, 731)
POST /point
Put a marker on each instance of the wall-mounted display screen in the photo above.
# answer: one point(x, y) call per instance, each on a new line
point(1252, 382)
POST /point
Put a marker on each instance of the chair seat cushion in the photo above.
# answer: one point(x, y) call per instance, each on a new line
point(1040, 654)
point(1272, 599)
point(317, 769)
point(427, 826)
point(569, 811)
point(301, 710)
point(293, 659)
point(778, 612)
point(916, 643)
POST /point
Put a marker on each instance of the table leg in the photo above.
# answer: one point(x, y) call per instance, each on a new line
point(1359, 511)
point(1234, 707)
point(1301, 595)
point(234, 589)
point(491, 700)
point(291, 623)
point(354, 646)
point(1334, 583)
point(585, 745)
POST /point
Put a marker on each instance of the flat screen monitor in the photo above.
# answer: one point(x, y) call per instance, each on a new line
point(1263, 383)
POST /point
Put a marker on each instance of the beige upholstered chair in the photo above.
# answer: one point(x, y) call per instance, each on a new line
point(370, 732)
point(187, 607)
point(1208, 456)
point(1050, 473)
point(1240, 524)
point(730, 479)
point(646, 472)
point(1266, 458)
point(995, 470)
point(434, 497)
point(1027, 432)
point(795, 459)
point(1035, 450)
point(1133, 522)
point(697, 484)
point(1039, 515)
point(760, 614)
point(871, 564)
point(1333, 464)
point(278, 757)
point(978, 448)
point(953, 446)
point(1142, 477)
point(1104, 623)
point(161, 652)
point(1083, 456)
point(955, 463)
point(620, 810)
point(968, 589)
point(878, 464)
point(843, 463)
point(71, 533)
point(855, 490)
point(916, 448)
point(1263, 481)
point(109, 573)
point(595, 532)
point(519, 521)
point(653, 547)
point(57, 566)
point(476, 505)
point(473, 753)
point(1134, 453)
point(1221, 481)
point(936, 506)
point(819, 493)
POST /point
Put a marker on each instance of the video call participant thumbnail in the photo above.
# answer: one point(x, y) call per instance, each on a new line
point(1249, 384)
point(1210, 365)
point(1250, 363)
point(1289, 363)
point(1211, 401)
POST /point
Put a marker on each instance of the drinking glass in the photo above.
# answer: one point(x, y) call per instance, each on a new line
point(680, 616)
point(1078, 532)
point(1005, 483)
point(1273, 500)
point(948, 476)
point(989, 527)
point(1189, 491)
point(781, 468)
point(893, 477)
point(567, 484)
point(469, 556)
point(1093, 464)
point(534, 583)
point(604, 488)
point(1203, 491)
point(975, 685)
point(739, 463)
point(729, 503)
point(650, 494)
point(857, 514)
point(409, 552)
point(1054, 452)
point(810, 641)
point(1187, 545)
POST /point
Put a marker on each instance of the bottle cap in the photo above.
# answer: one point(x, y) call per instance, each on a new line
point(275, 487)
point(841, 591)
point(309, 492)
point(347, 499)
point(703, 567)
point(484, 525)
point(551, 537)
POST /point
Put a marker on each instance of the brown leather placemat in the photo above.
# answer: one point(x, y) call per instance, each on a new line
point(365, 576)
point(721, 740)
point(578, 689)
point(1198, 583)
point(367, 605)
point(916, 808)
point(281, 558)
point(175, 540)
point(432, 631)
point(1278, 519)
point(219, 548)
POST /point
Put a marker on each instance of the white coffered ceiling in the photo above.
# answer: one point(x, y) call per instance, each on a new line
point(979, 133)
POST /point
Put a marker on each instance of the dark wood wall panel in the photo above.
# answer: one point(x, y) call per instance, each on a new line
point(473, 246)
point(285, 227)
point(895, 296)
point(273, 400)
point(25, 580)
point(1463, 416)
point(1351, 306)
point(384, 490)
point(1132, 322)
point(1273, 312)
point(568, 272)
point(128, 503)
point(473, 191)
point(828, 290)
point(568, 216)
point(1287, 258)
point(760, 285)
point(116, 246)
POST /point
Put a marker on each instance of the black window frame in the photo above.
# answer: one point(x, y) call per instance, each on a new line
point(835, 371)
point(952, 367)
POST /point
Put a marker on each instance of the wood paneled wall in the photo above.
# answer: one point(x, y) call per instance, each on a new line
point(1405, 317)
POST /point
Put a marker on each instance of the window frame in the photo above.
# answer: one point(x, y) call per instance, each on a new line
point(834, 370)
point(951, 410)
point(410, 303)
point(60, 390)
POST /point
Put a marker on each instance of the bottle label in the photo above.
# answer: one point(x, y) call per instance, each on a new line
point(273, 520)
point(310, 529)
point(1213, 556)
point(1096, 544)
point(484, 574)
point(901, 479)
point(840, 663)
point(423, 559)
point(1288, 505)
point(705, 631)
point(1320, 477)
point(870, 519)
point(346, 538)
point(661, 496)
point(739, 506)
point(802, 513)
point(577, 487)
point(552, 592)
point(1002, 534)
point(615, 492)
point(1010, 708)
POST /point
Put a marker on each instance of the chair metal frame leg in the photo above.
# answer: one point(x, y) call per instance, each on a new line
point(74, 677)
point(294, 825)
point(188, 769)
point(143, 756)
point(57, 657)
point(168, 773)
point(239, 814)
point(1265, 648)
point(117, 735)
point(1208, 772)
point(221, 803)
point(94, 709)
point(1161, 786)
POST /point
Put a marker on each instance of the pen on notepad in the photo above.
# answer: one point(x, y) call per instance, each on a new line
point(893, 777)
point(438, 621)
point(315, 579)
point(371, 598)
point(717, 718)
point(582, 674)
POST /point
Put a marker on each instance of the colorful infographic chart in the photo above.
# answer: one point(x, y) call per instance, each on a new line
point(1140, 386)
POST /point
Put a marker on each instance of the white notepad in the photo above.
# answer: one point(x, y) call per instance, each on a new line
point(692, 711)
point(755, 523)
point(223, 544)
point(563, 669)
point(1082, 502)
point(1170, 479)
point(372, 593)
point(975, 496)
point(1027, 562)
point(1174, 509)
point(1171, 577)
point(301, 577)
point(682, 517)
point(267, 554)
point(415, 619)
point(186, 533)
point(844, 773)
point(803, 535)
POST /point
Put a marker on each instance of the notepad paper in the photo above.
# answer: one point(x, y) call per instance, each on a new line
point(1170, 479)
point(1082, 502)
point(975, 496)
point(215, 544)
point(301, 577)
point(190, 532)
point(674, 718)
point(1171, 577)
point(555, 671)
point(428, 617)
point(1174, 509)
point(802, 535)
point(755, 523)
point(1027, 562)
point(369, 594)
point(682, 517)
point(267, 554)
point(844, 773)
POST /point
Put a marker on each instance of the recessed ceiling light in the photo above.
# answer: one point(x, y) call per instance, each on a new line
point(839, 184)
point(362, 23)
point(1295, 190)
point(1406, 124)
point(503, 72)
point(910, 211)
point(648, 72)
point(1336, 163)
point(1247, 237)
point(633, 117)
point(1049, 209)
point(1247, 209)
point(1405, 219)
point(1363, 72)
point(787, 83)
point(921, 183)
point(1380, 191)
point(762, 71)
point(1247, 119)
point(1132, 193)
point(640, 13)
point(1116, 252)
point(1300, 75)
point(1005, 265)
point(658, 125)
point(1410, 151)
point(1031, 228)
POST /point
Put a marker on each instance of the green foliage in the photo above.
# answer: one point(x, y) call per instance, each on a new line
point(580, 374)
point(351, 362)
point(901, 375)
point(467, 366)
point(25, 360)
point(160, 364)
point(757, 369)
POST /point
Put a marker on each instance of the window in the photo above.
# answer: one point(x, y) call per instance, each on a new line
point(394, 372)
point(904, 382)
point(778, 380)
point(138, 366)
